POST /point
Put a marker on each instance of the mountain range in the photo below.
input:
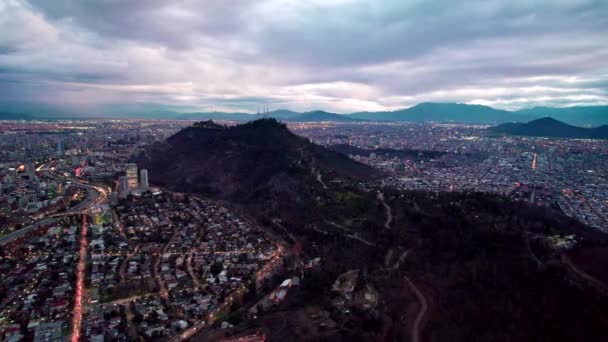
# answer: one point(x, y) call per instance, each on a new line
point(444, 112)
point(423, 112)
point(549, 127)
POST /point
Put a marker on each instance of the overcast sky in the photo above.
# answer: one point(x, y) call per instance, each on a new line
point(340, 55)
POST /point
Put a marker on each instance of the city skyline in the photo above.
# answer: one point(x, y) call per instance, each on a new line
point(340, 56)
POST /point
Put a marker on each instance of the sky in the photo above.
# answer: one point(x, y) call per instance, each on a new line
point(337, 55)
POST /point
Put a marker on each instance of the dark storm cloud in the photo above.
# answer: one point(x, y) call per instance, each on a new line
point(341, 55)
point(176, 24)
point(396, 30)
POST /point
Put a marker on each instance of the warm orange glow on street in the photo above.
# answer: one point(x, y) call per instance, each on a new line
point(80, 270)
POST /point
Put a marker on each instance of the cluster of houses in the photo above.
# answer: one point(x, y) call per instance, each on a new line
point(106, 251)
point(37, 285)
point(182, 260)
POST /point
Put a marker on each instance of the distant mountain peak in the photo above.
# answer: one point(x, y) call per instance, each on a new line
point(547, 120)
point(550, 127)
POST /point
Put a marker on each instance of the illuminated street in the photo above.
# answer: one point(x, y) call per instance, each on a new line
point(80, 275)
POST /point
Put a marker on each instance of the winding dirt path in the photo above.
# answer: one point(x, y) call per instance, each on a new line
point(349, 233)
point(387, 208)
point(591, 280)
point(424, 307)
point(320, 179)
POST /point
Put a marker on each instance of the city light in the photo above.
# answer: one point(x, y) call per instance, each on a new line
point(80, 275)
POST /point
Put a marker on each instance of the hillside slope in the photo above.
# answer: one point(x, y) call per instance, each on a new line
point(244, 161)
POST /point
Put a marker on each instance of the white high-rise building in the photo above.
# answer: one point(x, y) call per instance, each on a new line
point(12, 175)
point(132, 179)
point(143, 179)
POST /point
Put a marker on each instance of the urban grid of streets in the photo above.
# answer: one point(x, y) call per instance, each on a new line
point(568, 174)
point(94, 205)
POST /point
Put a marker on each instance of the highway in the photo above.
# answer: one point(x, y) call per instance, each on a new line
point(23, 231)
point(95, 195)
point(91, 199)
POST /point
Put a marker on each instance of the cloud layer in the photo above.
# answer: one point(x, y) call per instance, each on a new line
point(341, 55)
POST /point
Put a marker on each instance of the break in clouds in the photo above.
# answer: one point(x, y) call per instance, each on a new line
point(342, 55)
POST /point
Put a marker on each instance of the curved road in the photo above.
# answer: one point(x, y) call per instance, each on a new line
point(95, 195)
point(593, 281)
point(424, 307)
point(92, 196)
point(21, 232)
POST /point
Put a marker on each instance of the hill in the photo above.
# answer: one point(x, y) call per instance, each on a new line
point(577, 115)
point(549, 127)
point(259, 161)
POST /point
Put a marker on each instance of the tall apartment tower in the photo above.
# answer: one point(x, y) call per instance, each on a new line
point(132, 180)
point(123, 186)
point(143, 179)
point(60, 148)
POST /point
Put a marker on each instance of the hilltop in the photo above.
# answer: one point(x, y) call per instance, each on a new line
point(549, 127)
point(254, 163)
